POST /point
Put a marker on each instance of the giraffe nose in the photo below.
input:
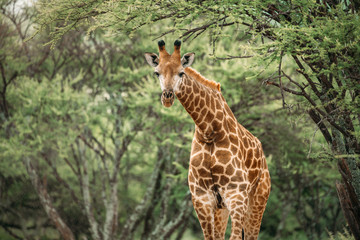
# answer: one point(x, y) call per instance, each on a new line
point(167, 98)
point(168, 94)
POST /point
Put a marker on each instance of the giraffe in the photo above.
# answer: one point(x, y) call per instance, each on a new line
point(228, 174)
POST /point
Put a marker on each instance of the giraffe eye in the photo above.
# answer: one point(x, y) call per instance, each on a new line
point(181, 74)
point(157, 74)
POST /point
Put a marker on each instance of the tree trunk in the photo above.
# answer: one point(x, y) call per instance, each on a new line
point(46, 202)
point(348, 199)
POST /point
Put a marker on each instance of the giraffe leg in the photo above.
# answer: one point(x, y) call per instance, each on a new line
point(221, 219)
point(256, 209)
point(238, 206)
point(205, 212)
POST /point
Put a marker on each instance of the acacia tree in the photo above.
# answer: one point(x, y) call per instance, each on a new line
point(321, 37)
point(50, 116)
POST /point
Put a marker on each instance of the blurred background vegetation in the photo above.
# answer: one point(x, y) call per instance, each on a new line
point(88, 152)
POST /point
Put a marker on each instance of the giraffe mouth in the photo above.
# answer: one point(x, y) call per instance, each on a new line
point(167, 98)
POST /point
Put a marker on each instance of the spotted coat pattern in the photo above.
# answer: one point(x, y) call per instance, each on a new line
point(228, 174)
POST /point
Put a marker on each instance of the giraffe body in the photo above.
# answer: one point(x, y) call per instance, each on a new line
point(228, 174)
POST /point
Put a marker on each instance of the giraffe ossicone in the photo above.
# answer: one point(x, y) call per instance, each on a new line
point(228, 173)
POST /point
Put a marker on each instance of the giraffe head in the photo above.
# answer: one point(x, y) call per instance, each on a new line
point(169, 69)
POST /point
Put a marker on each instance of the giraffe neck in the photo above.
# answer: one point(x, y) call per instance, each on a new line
point(206, 106)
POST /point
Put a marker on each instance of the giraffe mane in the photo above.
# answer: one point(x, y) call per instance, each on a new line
point(201, 79)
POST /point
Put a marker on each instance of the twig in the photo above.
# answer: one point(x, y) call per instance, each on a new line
point(232, 57)
point(285, 88)
point(281, 85)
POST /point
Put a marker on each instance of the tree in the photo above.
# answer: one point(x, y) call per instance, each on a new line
point(74, 132)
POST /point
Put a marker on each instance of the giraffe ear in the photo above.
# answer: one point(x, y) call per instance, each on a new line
point(152, 59)
point(187, 59)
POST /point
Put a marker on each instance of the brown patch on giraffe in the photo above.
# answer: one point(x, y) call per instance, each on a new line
point(195, 88)
point(203, 172)
point(223, 156)
point(245, 141)
point(188, 90)
point(196, 175)
point(233, 149)
point(229, 170)
point(191, 96)
point(225, 143)
point(252, 175)
point(202, 183)
point(215, 178)
point(196, 100)
point(220, 135)
point(231, 125)
point(195, 116)
point(233, 139)
point(203, 126)
point(238, 177)
point(200, 216)
point(209, 117)
point(257, 152)
point(218, 105)
point(183, 98)
point(191, 107)
point(180, 95)
point(196, 160)
point(249, 154)
point(217, 125)
point(207, 158)
point(242, 187)
point(209, 228)
point(219, 115)
point(248, 162)
point(196, 147)
point(238, 225)
point(201, 117)
point(202, 93)
point(224, 180)
point(240, 155)
point(204, 112)
point(212, 104)
point(232, 185)
point(192, 188)
point(255, 164)
point(186, 105)
point(217, 169)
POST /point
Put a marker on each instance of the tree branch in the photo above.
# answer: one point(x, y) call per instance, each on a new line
point(141, 208)
point(46, 201)
point(86, 194)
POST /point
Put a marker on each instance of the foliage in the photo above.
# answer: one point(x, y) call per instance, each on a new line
point(82, 122)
